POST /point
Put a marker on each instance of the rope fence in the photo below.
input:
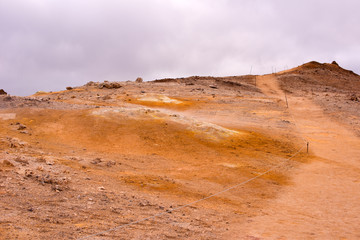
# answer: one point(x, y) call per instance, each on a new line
point(210, 196)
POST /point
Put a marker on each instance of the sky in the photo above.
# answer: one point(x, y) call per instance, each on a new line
point(47, 45)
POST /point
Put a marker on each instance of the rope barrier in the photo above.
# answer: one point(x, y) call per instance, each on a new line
point(195, 202)
point(210, 196)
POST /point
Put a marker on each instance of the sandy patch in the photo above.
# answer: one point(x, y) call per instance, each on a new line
point(7, 116)
point(159, 99)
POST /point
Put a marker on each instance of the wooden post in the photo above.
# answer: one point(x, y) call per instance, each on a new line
point(307, 147)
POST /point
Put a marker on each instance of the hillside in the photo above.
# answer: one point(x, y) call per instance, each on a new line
point(92, 158)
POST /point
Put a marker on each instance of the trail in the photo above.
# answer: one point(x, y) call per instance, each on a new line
point(323, 201)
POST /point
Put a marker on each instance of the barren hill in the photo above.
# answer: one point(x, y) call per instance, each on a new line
point(83, 162)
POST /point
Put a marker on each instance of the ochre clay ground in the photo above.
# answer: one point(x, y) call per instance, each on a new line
point(78, 162)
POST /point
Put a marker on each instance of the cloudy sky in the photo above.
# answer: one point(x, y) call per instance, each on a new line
point(50, 44)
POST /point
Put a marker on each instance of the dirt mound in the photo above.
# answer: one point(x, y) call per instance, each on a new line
point(314, 75)
point(314, 67)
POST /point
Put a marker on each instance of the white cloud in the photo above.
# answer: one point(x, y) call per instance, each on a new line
point(47, 45)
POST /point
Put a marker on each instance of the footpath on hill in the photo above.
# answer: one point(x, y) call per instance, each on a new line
point(323, 201)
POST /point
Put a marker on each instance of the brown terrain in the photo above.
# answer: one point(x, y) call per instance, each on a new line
point(85, 162)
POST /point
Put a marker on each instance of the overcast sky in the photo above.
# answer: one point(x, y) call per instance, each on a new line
point(50, 44)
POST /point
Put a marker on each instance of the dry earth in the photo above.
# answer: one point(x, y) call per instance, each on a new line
point(90, 159)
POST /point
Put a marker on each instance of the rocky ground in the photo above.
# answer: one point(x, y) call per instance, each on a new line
point(81, 163)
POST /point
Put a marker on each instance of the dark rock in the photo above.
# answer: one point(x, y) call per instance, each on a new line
point(21, 127)
point(91, 83)
point(335, 63)
point(354, 98)
point(110, 163)
point(69, 88)
point(139, 80)
point(2, 92)
point(109, 85)
point(96, 161)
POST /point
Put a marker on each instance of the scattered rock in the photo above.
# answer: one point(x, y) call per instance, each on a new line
point(7, 163)
point(41, 159)
point(335, 63)
point(20, 126)
point(29, 173)
point(96, 161)
point(107, 97)
point(69, 88)
point(2, 92)
point(40, 168)
point(49, 162)
point(56, 188)
point(110, 163)
point(139, 80)
point(15, 143)
point(109, 85)
point(213, 86)
point(91, 83)
point(354, 98)
point(101, 188)
point(22, 161)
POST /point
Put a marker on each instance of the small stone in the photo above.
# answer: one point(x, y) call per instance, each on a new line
point(110, 163)
point(96, 161)
point(7, 163)
point(139, 80)
point(21, 127)
point(56, 188)
point(69, 88)
point(40, 168)
point(29, 173)
point(49, 162)
point(101, 188)
point(22, 161)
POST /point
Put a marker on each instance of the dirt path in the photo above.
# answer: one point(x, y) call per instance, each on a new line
point(323, 202)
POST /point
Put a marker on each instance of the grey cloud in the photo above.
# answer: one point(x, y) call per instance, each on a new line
point(48, 45)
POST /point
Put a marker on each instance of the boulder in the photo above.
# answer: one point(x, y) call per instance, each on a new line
point(2, 92)
point(335, 63)
point(109, 85)
point(139, 80)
